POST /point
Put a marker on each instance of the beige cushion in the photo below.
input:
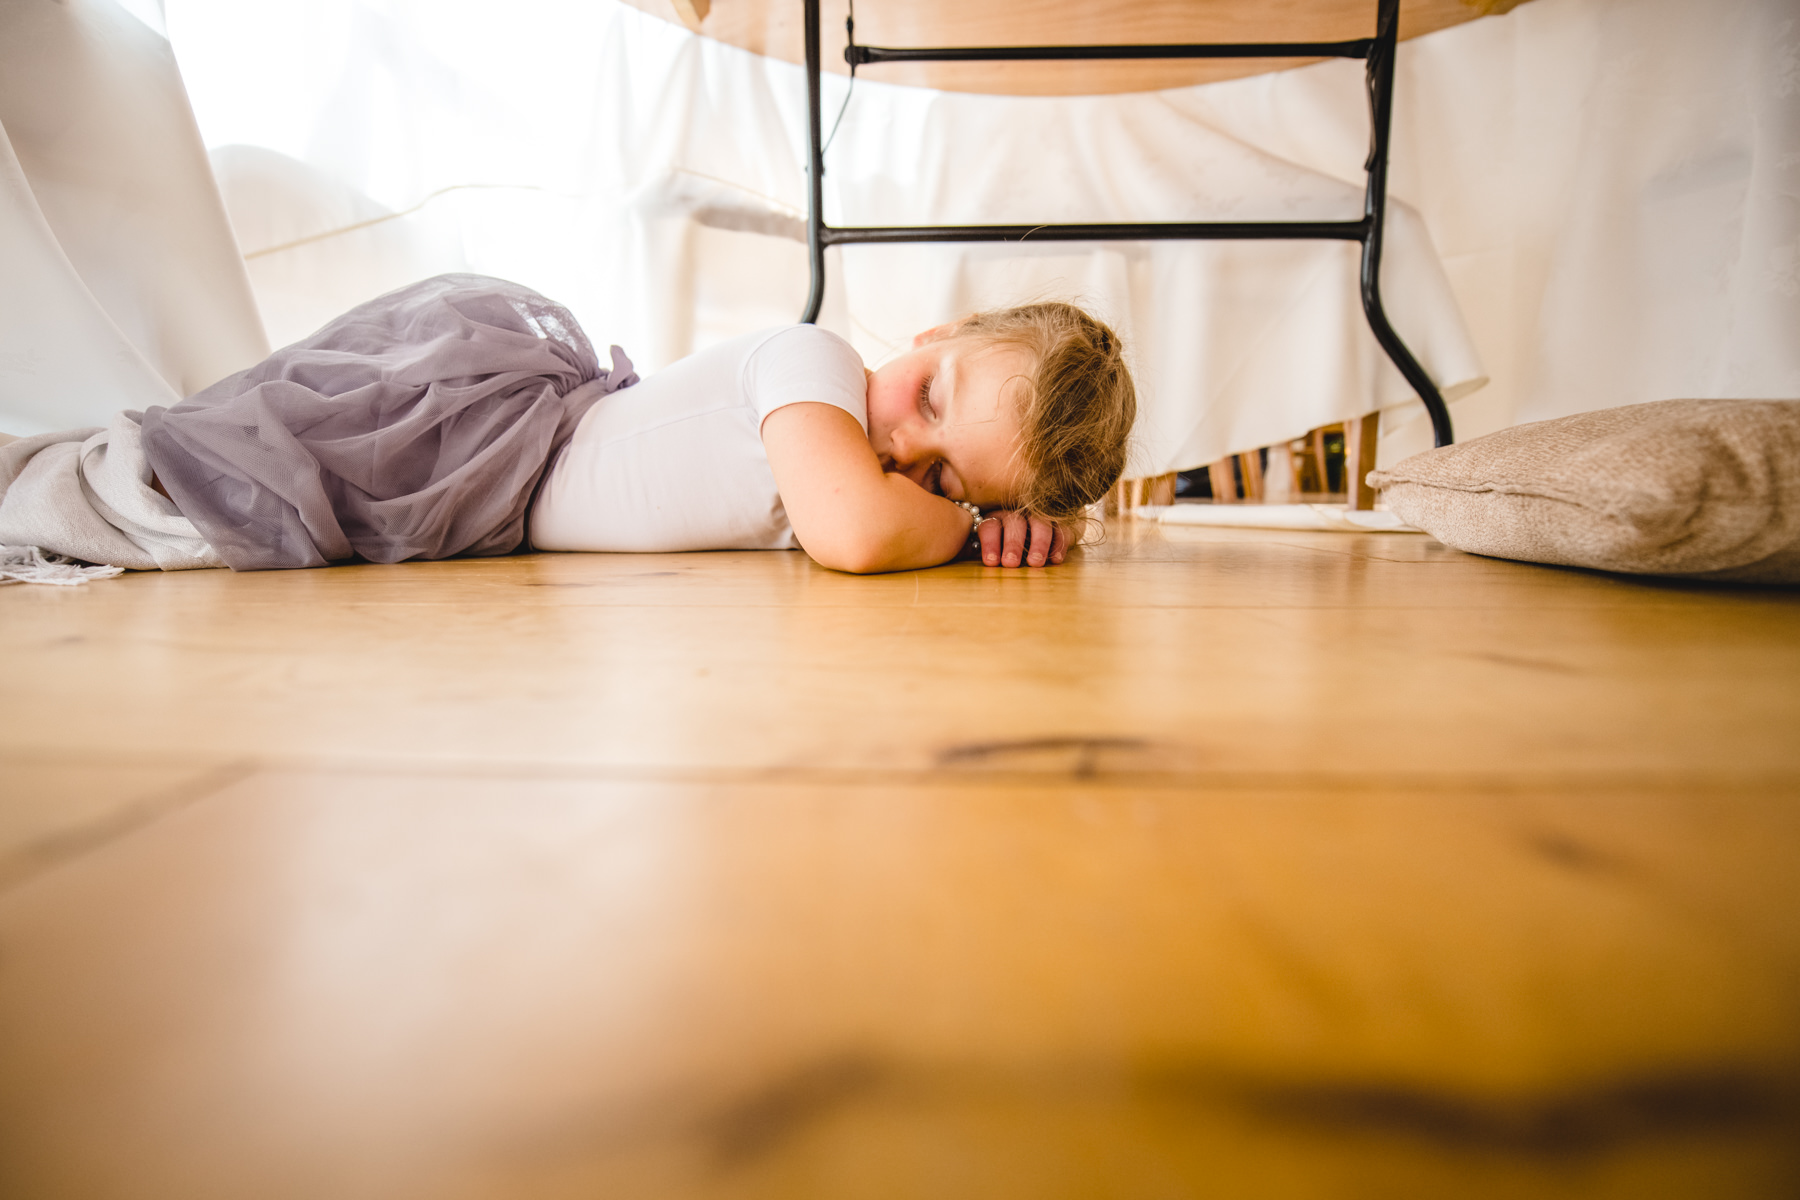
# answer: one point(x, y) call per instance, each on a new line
point(1706, 488)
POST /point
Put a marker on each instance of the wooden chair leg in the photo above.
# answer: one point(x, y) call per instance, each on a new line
point(1224, 482)
point(1250, 470)
point(1159, 489)
point(1125, 497)
point(1128, 494)
point(692, 12)
point(1360, 439)
point(1317, 459)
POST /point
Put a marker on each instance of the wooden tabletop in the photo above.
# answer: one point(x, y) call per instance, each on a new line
point(773, 27)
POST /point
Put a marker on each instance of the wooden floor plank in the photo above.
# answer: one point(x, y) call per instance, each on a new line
point(1341, 654)
point(53, 809)
point(327, 983)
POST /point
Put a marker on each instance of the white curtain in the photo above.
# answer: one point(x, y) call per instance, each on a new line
point(120, 285)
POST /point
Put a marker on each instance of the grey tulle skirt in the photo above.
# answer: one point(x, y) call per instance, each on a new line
point(416, 426)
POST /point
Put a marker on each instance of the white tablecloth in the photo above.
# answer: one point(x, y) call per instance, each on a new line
point(1607, 184)
point(653, 180)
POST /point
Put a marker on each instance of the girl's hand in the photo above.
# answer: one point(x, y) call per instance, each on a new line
point(1010, 539)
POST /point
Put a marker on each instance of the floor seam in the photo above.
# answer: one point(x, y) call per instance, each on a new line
point(37, 858)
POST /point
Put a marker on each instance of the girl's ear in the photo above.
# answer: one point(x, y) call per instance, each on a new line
point(936, 332)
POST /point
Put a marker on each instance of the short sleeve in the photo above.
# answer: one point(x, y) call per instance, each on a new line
point(804, 363)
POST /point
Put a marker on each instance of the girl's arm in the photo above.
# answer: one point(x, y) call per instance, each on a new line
point(847, 513)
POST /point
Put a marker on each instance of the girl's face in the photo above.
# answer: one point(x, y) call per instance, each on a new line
point(945, 415)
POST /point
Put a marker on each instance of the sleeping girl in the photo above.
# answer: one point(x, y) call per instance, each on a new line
point(468, 416)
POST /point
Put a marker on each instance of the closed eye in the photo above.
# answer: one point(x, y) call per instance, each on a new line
point(934, 478)
point(925, 396)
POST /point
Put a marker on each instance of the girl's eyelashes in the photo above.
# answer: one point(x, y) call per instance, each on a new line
point(925, 396)
point(934, 478)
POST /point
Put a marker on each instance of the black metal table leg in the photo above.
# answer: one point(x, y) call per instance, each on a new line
point(1379, 53)
point(815, 169)
point(1380, 76)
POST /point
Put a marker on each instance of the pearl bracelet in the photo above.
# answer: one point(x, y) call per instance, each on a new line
point(975, 519)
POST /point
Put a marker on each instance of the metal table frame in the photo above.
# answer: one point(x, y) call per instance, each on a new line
point(1377, 52)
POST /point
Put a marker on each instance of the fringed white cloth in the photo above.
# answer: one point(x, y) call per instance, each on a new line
point(1331, 518)
point(28, 564)
point(85, 495)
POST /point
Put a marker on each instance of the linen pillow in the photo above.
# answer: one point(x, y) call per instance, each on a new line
point(1702, 488)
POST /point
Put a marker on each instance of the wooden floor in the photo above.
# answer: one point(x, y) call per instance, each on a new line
point(1215, 863)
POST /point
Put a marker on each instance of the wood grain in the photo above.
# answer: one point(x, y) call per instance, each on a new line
point(648, 661)
point(1362, 435)
point(774, 28)
point(1212, 862)
point(416, 984)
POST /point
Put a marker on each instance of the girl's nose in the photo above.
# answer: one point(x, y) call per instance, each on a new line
point(903, 446)
point(910, 453)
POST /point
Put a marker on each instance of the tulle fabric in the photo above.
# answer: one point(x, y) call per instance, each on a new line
point(415, 426)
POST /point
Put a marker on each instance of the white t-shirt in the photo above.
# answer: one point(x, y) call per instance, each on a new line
point(676, 462)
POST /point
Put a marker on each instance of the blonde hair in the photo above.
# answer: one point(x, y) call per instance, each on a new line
point(1078, 408)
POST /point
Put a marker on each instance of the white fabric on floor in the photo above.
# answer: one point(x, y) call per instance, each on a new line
point(86, 493)
point(1331, 518)
point(120, 284)
point(29, 564)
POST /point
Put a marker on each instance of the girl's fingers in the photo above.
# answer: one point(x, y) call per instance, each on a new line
point(989, 534)
point(1011, 539)
point(1015, 532)
point(1042, 533)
